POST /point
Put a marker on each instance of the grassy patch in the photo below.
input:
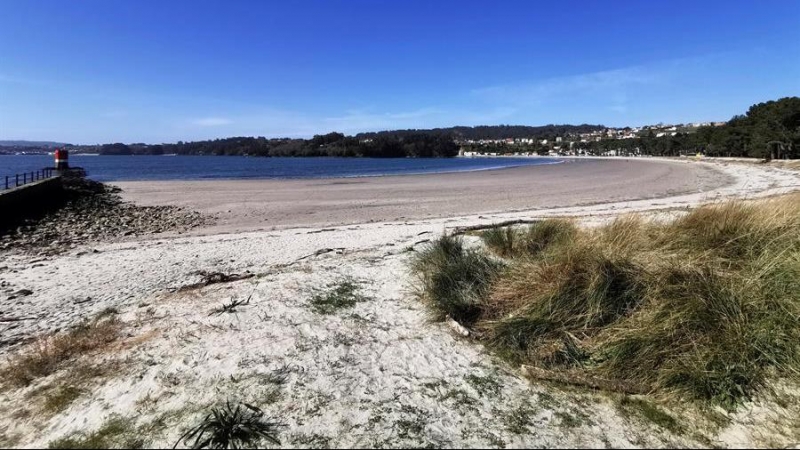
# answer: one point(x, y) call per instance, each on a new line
point(344, 294)
point(573, 419)
point(314, 440)
point(488, 385)
point(117, 432)
point(59, 399)
point(49, 354)
point(706, 307)
point(413, 424)
point(520, 418)
point(635, 406)
point(460, 397)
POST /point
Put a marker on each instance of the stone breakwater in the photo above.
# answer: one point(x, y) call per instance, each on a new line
point(94, 212)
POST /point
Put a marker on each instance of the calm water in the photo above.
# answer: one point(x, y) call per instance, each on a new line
point(119, 168)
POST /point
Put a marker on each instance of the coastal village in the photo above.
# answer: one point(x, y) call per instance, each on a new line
point(575, 144)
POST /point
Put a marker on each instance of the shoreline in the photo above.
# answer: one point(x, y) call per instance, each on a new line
point(247, 205)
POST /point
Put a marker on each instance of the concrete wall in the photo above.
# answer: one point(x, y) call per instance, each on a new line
point(29, 200)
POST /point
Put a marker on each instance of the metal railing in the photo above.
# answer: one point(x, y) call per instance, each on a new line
point(21, 179)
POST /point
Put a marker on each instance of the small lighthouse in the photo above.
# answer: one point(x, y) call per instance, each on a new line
point(62, 159)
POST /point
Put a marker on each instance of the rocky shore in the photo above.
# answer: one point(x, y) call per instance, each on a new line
point(94, 212)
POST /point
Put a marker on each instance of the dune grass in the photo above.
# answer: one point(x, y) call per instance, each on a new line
point(531, 240)
point(454, 280)
point(706, 307)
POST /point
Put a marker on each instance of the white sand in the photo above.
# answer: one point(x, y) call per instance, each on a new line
point(377, 374)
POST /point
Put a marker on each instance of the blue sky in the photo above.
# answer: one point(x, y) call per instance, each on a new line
point(96, 71)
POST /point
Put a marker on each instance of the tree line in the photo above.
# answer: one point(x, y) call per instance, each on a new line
point(769, 130)
point(495, 132)
point(420, 145)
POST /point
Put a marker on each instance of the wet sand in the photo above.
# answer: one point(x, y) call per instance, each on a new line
point(265, 204)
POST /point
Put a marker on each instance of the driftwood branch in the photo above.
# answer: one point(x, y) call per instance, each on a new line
point(579, 379)
point(318, 252)
point(215, 278)
point(462, 230)
point(15, 319)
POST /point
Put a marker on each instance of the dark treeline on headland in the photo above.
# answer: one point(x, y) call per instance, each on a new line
point(434, 143)
point(420, 145)
point(493, 132)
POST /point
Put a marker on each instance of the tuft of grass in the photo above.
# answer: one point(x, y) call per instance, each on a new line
point(500, 240)
point(532, 241)
point(232, 427)
point(61, 398)
point(706, 307)
point(49, 354)
point(117, 432)
point(568, 420)
point(344, 294)
point(454, 280)
point(543, 304)
point(652, 413)
point(542, 236)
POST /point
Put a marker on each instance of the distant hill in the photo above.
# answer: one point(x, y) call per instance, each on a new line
point(34, 144)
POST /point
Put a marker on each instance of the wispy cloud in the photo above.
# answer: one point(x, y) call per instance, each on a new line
point(13, 79)
point(362, 120)
point(611, 86)
point(211, 122)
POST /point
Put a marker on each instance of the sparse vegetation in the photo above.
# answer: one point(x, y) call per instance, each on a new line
point(117, 432)
point(230, 307)
point(51, 353)
point(654, 414)
point(344, 294)
point(232, 427)
point(61, 398)
point(485, 385)
point(520, 418)
point(706, 307)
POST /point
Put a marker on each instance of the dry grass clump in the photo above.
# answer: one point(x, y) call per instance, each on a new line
point(49, 354)
point(531, 240)
point(707, 306)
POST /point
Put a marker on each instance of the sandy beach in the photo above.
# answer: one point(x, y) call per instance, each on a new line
point(267, 204)
point(377, 374)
